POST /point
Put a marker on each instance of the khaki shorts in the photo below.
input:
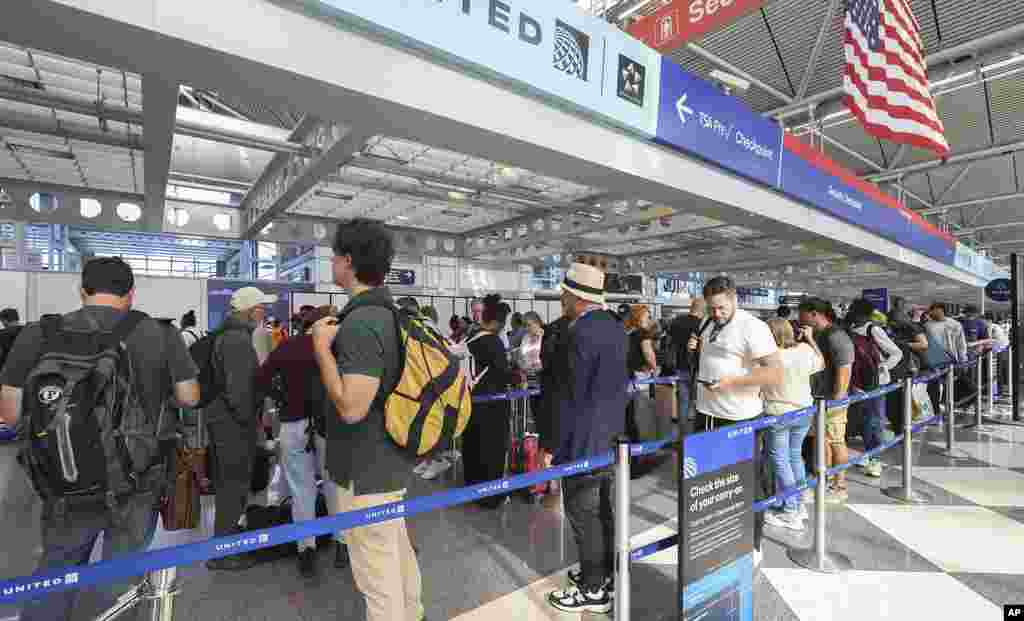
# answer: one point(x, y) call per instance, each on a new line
point(835, 426)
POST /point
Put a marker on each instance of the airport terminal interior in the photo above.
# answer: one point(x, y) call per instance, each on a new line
point(835, 150)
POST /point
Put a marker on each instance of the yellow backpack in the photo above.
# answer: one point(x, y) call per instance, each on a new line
point(431, 404)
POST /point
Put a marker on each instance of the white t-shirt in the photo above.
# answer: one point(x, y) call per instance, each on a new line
point(799, 364)
point(742, 341)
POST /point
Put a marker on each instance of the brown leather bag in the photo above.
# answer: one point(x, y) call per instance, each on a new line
point(181, 508)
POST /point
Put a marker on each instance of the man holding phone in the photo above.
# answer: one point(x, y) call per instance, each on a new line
point(738, 357)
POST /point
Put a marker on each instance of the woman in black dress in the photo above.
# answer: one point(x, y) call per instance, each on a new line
point(485, 441)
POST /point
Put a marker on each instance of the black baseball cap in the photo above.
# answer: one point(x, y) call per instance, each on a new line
point(110, 275)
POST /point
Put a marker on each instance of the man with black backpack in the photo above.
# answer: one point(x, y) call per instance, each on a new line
point(100, 376)
point(228, 364)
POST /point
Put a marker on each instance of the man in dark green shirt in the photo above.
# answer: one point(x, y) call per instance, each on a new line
point(359, 365)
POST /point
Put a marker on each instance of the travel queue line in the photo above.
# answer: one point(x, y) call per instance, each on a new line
point(167, 559)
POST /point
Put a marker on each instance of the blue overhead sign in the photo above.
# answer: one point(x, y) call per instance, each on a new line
point(879, 298)
point(699, 118)
point(550, 48)
point(805, 181)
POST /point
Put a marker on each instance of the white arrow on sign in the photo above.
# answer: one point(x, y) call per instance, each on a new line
point(683, 109)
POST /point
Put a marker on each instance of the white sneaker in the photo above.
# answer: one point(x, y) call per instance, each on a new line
point(436, 468)
point(422, 467)
point(781, 519)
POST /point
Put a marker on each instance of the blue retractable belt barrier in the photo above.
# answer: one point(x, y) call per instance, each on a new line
point(47, 582)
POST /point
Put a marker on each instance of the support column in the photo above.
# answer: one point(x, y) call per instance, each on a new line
point(21, 246)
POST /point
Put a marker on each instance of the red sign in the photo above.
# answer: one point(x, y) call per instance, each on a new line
point(685, 20)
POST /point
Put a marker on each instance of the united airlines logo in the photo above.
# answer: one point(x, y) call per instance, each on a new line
point(71, 578)
point(572, 51)
point(490, 488)
point(689, 468)
point(387, 512)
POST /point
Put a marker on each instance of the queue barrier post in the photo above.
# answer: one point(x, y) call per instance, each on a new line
point(906, 493)
point(950, 451)
point(818, 558)
point(622, 532)
point(153, 598)
point(1009, 381)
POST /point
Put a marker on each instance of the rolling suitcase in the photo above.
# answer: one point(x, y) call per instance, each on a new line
point(524, 449)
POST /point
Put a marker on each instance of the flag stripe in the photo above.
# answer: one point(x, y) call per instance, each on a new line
point(885, 79)
point(905, 90)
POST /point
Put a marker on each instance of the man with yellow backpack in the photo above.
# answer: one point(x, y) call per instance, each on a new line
point(393, 394)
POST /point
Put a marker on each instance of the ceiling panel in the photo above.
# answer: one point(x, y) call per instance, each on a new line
point(964, 115)
point(961, 21)
point(988, 178)
point(795, 24)
point(1006, 98)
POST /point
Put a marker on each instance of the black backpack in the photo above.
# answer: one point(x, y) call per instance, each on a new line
point(88, 435)
point(202, 352)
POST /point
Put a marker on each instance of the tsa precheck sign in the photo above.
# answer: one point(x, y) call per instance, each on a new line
point(696, 117)
point(552, 48)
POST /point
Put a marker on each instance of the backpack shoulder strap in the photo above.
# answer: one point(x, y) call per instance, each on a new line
point(703, 328)
point(51, 326)
point(128, 324)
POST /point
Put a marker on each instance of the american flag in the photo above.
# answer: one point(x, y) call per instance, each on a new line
point(886, 83)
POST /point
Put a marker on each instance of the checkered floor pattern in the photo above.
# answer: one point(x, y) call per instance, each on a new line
point(956, 557)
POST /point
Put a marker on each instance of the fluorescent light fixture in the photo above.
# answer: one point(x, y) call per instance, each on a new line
point(447, 186)
point(386, 158)
point(455, 214)
point(403, 218)
point(43, 151)
point(456, 196)
point(333, 195)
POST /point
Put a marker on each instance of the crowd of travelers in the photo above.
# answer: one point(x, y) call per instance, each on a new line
point(317, 399)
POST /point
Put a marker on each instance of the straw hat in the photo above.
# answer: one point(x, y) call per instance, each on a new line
point(585, 282)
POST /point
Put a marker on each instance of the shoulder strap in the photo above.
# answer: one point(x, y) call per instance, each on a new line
point(703, 328)
point(51, 326)
point(128, 324)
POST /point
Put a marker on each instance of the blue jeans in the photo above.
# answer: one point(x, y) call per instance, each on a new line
point(873, 413)
point(299, 471)
point(68, 542)
point(784, 448)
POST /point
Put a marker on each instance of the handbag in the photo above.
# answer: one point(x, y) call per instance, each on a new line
point(921, 404)
point(180, 507)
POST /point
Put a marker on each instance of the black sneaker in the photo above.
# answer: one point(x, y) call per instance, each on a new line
point(341, 559)
point(576, 578)
point(236, 562)
point(307, 563)
point(575, 599)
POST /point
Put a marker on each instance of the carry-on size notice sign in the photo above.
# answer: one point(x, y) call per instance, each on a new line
point(716, 499)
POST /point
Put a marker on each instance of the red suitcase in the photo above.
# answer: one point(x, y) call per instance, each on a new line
point(524, 449)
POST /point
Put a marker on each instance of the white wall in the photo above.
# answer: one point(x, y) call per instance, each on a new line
point(162, 297)
point(15, 292)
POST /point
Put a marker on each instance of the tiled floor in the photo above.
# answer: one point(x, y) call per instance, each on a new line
point(957, 557)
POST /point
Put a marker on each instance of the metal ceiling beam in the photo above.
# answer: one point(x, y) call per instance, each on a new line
point(114, 112)
point(826, 24)
point(952, 184)
point(979, 155)
point(733, 69)
point(70, 131)
point(610, 220)
point(695, 239)
point(287, 178)
point(970, 203)
point(719, 263)
point(378, 165)
point(425, 193)
point(113, 195)
point(989, 48)
point(161, 99)
point(1002, 243)
point(988, 227)
point(900, 154)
